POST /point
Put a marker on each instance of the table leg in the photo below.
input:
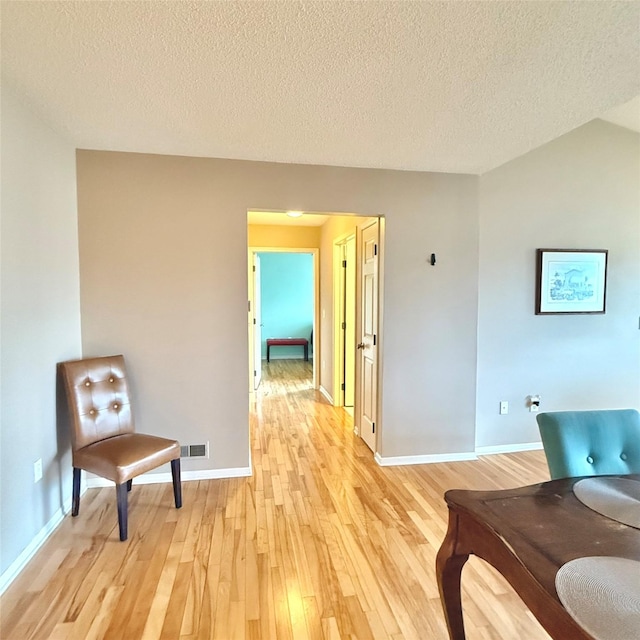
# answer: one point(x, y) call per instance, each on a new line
point(449, 564)
point(306, 352)
point(268, 350)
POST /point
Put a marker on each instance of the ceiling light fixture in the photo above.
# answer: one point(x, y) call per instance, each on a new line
point(294, 214)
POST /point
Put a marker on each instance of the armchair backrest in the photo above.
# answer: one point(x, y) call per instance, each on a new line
point(98, 399)
point(588, 443)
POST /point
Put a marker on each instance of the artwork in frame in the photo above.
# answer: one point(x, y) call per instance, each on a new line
point(571, 281)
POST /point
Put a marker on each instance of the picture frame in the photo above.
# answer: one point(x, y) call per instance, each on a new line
point(571, 281)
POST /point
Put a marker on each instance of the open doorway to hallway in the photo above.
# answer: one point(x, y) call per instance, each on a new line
point(346, 336)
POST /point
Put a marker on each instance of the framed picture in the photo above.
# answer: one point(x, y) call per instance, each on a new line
point(571, 280)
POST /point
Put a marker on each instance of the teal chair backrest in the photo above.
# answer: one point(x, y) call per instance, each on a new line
point(591, 443)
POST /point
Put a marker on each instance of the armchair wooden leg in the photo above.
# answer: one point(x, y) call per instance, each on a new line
point(75, 495)
point(121, 493)
point(129, 484)
point(177, 483)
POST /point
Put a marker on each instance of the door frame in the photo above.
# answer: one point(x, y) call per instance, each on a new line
point(316, 304)
point(255, 317)
point(317, 334)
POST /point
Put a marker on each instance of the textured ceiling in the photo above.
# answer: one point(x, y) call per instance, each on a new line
point(435, 86)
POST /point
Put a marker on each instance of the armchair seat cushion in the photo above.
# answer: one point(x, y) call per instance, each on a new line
point(123, 457)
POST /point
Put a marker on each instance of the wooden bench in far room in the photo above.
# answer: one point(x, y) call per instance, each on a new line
point(288, 342)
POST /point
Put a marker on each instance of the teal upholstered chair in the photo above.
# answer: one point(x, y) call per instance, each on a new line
point(591, 443)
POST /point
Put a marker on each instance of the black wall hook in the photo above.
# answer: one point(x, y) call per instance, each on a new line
point(432, 260)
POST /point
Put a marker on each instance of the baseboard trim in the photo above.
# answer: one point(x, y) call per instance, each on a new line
point(455, 457)
point(12, 571)
point(508, 448)
point(325, 393)
point(186, 476)
point(393, 461)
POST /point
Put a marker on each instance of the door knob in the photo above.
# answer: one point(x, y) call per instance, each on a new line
point(362, 345)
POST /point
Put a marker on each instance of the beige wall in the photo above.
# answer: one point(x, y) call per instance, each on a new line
point(579, 191)
point(40, 321)
point(164, 279)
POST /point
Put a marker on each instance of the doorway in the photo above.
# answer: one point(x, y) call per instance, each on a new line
point(282, 308)
point(347, 376)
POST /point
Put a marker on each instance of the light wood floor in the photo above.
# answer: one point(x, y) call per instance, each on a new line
point(320, 543)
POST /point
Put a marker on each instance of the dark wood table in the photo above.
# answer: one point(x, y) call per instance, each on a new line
point(527, 534)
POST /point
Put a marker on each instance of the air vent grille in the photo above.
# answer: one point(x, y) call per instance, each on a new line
point(194, 451)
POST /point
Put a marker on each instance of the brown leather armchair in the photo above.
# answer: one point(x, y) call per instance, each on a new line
point(103, 439)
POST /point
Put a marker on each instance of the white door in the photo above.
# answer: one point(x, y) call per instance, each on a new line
point(257, 324)
point(350, 322)
point(367, 346)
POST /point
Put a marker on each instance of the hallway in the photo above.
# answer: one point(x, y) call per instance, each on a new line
point(319, 543)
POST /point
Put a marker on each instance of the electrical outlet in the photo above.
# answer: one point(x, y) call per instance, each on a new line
point(37, 470)
point(534, 403)
point(504, 408)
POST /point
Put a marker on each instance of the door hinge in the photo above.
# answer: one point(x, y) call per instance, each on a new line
point(254, 268)
point(342, 386)
point(255, 373)
point(344, 325)
point(344, 264)
point(375, 249)
point(374, 427)
point(249, 306)
point(254, 321)
point(374, 339)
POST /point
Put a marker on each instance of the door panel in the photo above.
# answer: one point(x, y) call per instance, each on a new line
point(367, 339)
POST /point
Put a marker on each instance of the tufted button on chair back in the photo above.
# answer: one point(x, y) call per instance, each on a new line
point(101, 407)
point(103, 438)
point(590, 443)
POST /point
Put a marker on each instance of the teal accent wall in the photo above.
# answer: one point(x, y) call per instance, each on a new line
point(286, 291)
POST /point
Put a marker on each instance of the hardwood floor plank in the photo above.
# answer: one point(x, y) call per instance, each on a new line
point(90, 609)
point(149, 585)
point(120, 623)
point(61, 631)
point(266, 597)
point(101, 621)
point(319, 543)
point(162, 596)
